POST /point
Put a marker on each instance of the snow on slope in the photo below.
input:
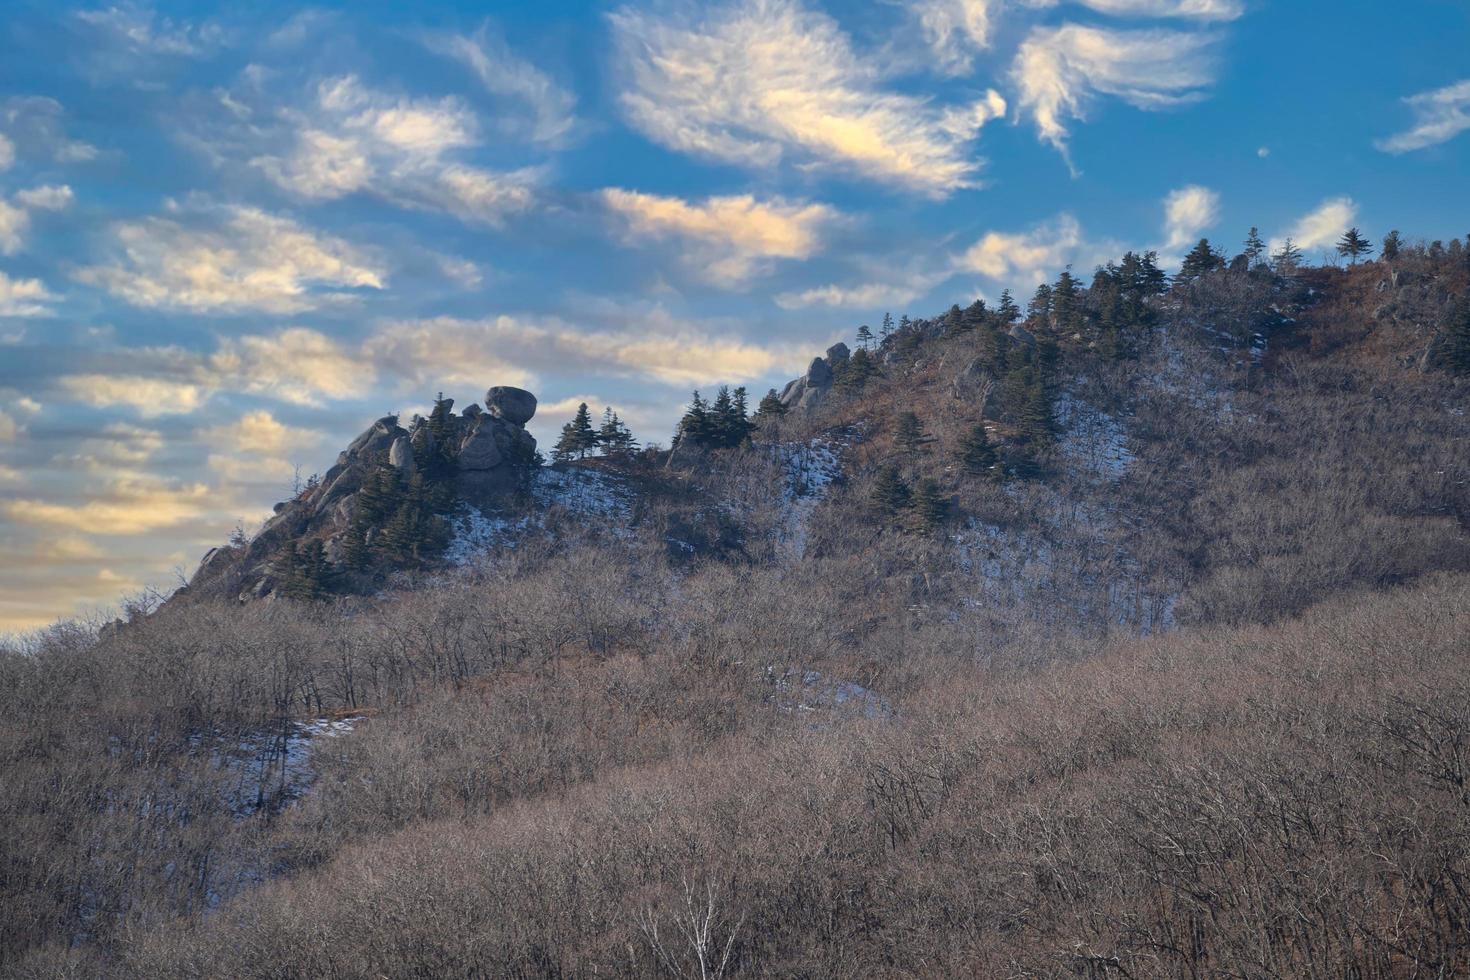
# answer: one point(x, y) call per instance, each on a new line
point(808, 470)
point(587, 495)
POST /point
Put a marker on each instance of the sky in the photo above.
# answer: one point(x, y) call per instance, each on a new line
point(231, 236)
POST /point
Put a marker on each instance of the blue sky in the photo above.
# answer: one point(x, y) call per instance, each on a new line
point(230, 238)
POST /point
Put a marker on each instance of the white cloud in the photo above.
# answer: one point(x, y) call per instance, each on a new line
point(149, 396)
point(733, 237)
point(23, 297)
point(134, 28)
point(28, 405)
point(1439, 115)
point(1059, 69)
point(10, 429)
point(504, 74)
point(1192, 9)
point(355, 139)
point(656, 347)
point(14, 223)
point(1030, 256)
point(753, 82)
point(296, 365)
point(46, 198)
point(1188, 212)
point(261, 434)
point(120, 444)
point(232, 259)
point(34, 128)
point(881, 285)
point(1322, 226)
point(7, 153)
point(956, 28)
point(126, 503)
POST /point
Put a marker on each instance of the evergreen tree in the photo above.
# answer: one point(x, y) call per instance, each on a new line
point(1353, 246)
point(613, 436)
point(908, 433)
point(864, 337)
point(1064, 303)
point(770, 408)
point(1392, 242)
point(954, 320)
point(1254, 247)
point(887, 329)
point(928, 506)
point(976, 453)
point(851, 375)
point(578, 437)
point(1201, 259)
point(1036, 414)
point(1287, 260)
point(304, 571)
point(1040, 306)
point(890, 494)
point(696, 424)
point(1007, 311)
point(976, 315)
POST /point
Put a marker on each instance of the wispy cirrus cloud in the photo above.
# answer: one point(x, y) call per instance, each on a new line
point(759, 81)
point(1060, 71)
point(956, 29)
point(1439, 116)
point(504, 74)
point(350, 138)
point(1204, 10)
point(731, 238)
point(230, 259)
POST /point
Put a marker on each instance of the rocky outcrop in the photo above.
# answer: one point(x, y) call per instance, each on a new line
point(973, 384)
point(490, 453)
point(515, 405)
point(810, 389)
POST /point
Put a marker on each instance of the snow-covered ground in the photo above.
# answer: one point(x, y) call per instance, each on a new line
point(1093, 441)
point(269, 770)
point(809, 692)
point(587, 495)
point(808, 470)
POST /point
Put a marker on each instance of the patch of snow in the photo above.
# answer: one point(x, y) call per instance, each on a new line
point(585, 492)
point(808, 470)
point(809, 692)
point(1093, 441)
point(476, 533)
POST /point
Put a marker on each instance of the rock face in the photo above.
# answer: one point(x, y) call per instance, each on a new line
point(515, 405)
point(974, 384)
point(491, 452)
point(808, 390)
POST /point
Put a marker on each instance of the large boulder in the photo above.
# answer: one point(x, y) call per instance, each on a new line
point(480, 450)
point(515, 405)
point(837, 353)
point(400, 456)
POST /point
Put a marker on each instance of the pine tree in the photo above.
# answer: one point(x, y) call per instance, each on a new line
point(1064, 306)
point(770, 408)
point(614, 437)
point(695, 424)
point(928, 506)
point(851, 375)
point(954, 320)
point(908, 433)
point(578, 437)
point(976, 453)
point(1392, 242)
point(1036, 414)
point(1040, 306)
point(727, 428)
point(864, 337)
point(1353, 246)
point(1254, 247)
point(1201, 259)
point(887, 329)
point(890, 494)
point(1287, 260)
point(1007, 311)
